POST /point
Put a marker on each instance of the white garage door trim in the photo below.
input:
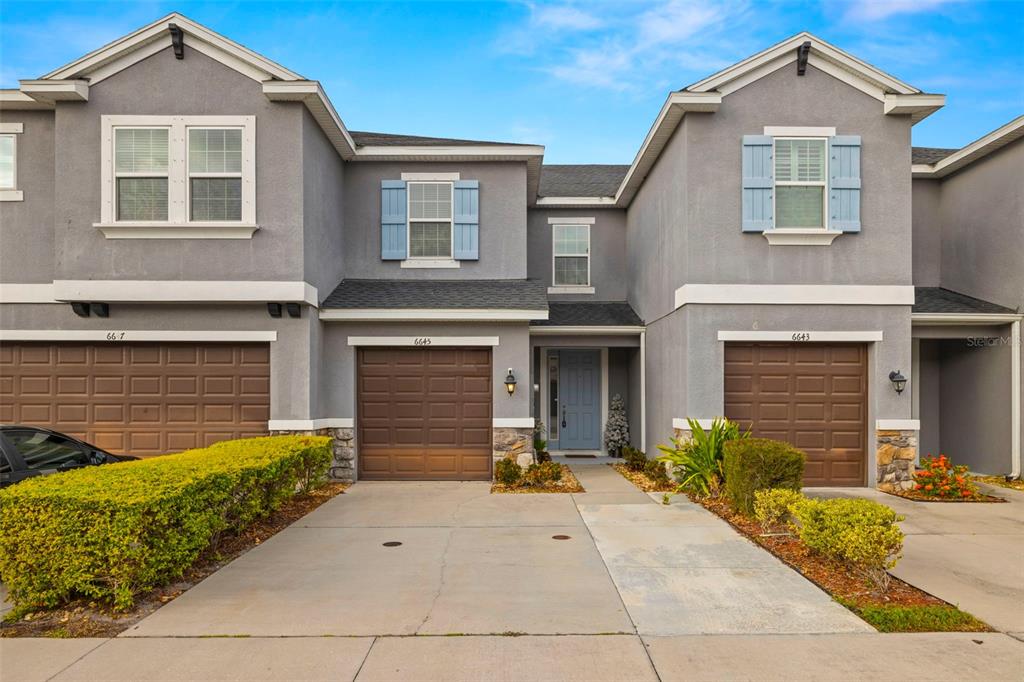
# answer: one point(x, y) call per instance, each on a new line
point(126, 335)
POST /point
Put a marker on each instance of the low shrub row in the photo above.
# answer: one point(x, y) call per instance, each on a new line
point(111, 532)
point(508, 472)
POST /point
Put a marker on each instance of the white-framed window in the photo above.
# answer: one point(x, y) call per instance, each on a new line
point(801, 179)
point(430, 220)
point(9, 161)
point(179, 171)
point(571, 256)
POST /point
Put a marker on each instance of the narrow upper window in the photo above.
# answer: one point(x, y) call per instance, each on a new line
point(8, 162)
point(430, 220)
point(800, 182)
point(215, 173)
point(141, 173)
point(571, 255)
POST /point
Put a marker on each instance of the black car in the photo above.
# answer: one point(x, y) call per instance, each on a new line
point(27, 451)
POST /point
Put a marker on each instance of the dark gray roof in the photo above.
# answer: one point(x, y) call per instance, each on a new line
point(590, 180)
point(939, 300)
point(929, 154)
point(512, 294)
point(363, 139)
point(590, 315)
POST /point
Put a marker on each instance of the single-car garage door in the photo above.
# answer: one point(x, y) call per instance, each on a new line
point(140, 398)
point(424, 413)
point(811, 395)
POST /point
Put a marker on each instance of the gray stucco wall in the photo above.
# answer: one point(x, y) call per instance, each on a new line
point(323, 185)
point(292, 378)
point(929, 387)
point(26, 227)
point(608, 274)
point(502, 220)
point(982, 209)
point(162, 85)
point(927, 220)
point(338, 361)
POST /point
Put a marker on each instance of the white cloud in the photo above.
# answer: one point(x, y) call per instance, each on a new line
point(877, 10)
point(602, 66)
point(566, 17)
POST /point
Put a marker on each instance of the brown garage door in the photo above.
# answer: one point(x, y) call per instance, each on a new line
point(811, 395)
point(424, 413)
point(140, 399)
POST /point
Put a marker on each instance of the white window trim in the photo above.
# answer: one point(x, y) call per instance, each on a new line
point(178, 224)
point(571, 221)
point(412, 260)
point(799, 131)
point(570, 288)
point(12, 193)
point(427, 263)
point(792, 183)
point(427, 177)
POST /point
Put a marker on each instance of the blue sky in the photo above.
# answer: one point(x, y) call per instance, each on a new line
point(584, 79)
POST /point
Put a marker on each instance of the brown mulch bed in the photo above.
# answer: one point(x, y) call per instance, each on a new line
point(642, 481)
point(1015, 484)
point(566, 484)
point(915, 496)
point(829, 575)
point(84, 618)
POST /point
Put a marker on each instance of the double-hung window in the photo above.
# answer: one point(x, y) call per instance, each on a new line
point(191, 176)
point(800, 182)
point(430, 220)
point(571, 256)
point(9, 161)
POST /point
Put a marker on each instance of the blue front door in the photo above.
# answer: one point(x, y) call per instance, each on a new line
point(580, 390)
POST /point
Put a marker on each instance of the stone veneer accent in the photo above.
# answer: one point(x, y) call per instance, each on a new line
point(895, 453)
point(343, 467)
point(513, 443)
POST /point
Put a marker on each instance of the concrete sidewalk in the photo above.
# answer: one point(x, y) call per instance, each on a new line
point(592, 658)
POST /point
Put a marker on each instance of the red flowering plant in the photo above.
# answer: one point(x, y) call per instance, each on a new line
point(938, 477)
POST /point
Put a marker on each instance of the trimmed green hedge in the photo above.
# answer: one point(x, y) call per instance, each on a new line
point(754, 464)
point(113, 531)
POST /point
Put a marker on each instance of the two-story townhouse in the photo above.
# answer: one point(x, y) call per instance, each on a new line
point(196, 248)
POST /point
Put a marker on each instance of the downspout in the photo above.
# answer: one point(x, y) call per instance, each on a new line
point(643, 393)
point(1015, 405)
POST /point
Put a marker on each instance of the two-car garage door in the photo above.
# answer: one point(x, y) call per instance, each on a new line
point(811, 395)
point(139, 398)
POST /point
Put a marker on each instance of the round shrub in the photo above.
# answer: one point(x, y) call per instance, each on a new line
point(938, 477)
point(545, 472)
point(508, 472)
point(774, 506)
point(655, 470)
point(635, 459)
point(754, 464)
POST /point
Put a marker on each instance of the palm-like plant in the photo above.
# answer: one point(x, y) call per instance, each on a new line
point(697, 463)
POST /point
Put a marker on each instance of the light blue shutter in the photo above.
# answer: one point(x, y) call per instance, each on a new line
point(758, 183)
point(844, 183)
point(393, 223)
point(466, 217)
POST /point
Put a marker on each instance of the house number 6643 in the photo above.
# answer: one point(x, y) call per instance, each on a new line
point(801, 336)
point(422, 341)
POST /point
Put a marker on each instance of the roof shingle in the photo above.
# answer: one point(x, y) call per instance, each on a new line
point(502, 294)
point(939, 300)
point(929, 155)
point(590, 314)
point(588, 180)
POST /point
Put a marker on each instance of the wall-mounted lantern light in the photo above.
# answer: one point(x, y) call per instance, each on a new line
point(899, 382)
point(510, 382)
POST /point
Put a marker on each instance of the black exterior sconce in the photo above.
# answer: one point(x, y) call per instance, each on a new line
point(899, 382)
point(510, 383)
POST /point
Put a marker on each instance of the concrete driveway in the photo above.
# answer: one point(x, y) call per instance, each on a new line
point(971, 555)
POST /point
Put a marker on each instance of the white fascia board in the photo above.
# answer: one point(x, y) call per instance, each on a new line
point(574, 202)
point(675, 107)
point(579, 330)
point(819, 48)
point(310, 424)
point(313, 96)
point(11, 292)
point(174, 291)
point(898, 424)
point(448, 152)
point(56, 90)
point(129, 49)
point(114, 336)
point(426, 314)
point(980, 148)
point(513, 422)
point(794, 294)
point(11, 99)
point(804, 336)
point(938, 319)
point(423, 341)
point(919, 106)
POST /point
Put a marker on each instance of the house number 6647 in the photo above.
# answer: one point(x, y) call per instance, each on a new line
point(422, 341)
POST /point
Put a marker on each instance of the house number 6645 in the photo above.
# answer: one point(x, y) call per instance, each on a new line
point(422, 341)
